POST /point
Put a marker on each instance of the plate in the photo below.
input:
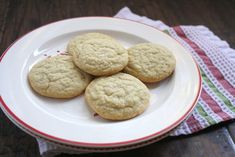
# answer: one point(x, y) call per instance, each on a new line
point(89, 149)
point(70, 121)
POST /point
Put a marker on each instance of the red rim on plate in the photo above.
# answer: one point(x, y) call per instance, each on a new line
point(91, 149)
point(84, 144)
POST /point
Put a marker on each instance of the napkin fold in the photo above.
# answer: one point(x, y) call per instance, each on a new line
point(217, 65)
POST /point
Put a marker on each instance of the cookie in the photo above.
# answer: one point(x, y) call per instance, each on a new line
point(71, 47)
point(150, 62)
point(117, 97)
point(58, 77)
point(100, 57)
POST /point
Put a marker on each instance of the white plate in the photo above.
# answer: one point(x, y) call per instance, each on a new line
point(79, 150)
point(70, 121)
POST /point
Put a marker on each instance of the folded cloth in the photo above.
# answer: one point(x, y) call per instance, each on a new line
point(217, 65)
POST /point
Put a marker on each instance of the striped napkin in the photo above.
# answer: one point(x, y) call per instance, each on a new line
point(217, 64)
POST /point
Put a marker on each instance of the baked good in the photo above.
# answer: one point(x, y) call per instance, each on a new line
point(100, 57)
point(150, 62)
point(77, 40)
point(58, 77)
point(117, 97)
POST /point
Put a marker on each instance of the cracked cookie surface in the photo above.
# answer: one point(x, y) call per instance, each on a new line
point(100, 57)
point(117, 97)
point(58, 77)
point(150, 62)
point(77, 40)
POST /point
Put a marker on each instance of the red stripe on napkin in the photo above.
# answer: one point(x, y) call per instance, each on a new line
point(194, 124)
point(213, 105)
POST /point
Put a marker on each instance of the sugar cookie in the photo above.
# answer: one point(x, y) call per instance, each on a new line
point(58, 77)
point(117, 97)
point(77, 40)
point(150, 62)
point(100, 57)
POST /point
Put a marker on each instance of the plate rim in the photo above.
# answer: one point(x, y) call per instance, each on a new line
point(111, 144)
point(93, 149)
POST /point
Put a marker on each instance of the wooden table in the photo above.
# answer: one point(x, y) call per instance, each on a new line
point(19, 17)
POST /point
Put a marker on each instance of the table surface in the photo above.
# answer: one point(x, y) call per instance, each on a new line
point(20, 17)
